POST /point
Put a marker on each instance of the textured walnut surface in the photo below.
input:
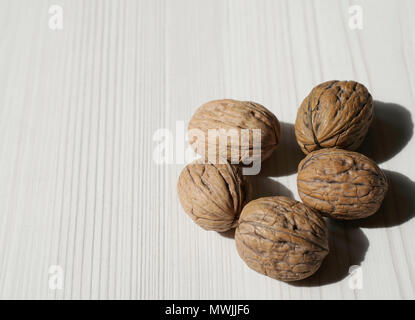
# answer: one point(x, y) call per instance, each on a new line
point(335, 114)
point(340, 183)
point(231, 116)
point(281, 238)
point(212, 195)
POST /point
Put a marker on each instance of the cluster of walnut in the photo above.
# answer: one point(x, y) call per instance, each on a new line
point(280, 237)
point(332, 121)
point(213, 193)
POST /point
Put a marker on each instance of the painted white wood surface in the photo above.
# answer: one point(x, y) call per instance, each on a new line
point(79, 107)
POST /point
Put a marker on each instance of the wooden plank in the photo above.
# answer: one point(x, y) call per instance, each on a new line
point(80, 108)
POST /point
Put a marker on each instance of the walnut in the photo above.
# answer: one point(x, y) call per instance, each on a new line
point(212, 194)
point(335, 114)
point(227, 118)
point(281, 238)
point(341, 184)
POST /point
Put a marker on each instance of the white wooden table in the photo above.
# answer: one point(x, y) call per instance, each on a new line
point(82, 199)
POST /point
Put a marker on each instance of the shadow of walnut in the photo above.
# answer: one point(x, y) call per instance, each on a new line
point(285, 159)
point(390, 132)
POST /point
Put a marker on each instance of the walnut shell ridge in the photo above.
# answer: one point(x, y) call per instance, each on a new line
point(335, 114)
point(212, 194)
point(341, 184)
point(229, 117)
point(281, 238)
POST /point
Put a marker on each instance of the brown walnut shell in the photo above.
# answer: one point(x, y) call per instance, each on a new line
point(221, 123)
point(212, 194)
point(341, 184)
point(281, 238)
point(336, 114)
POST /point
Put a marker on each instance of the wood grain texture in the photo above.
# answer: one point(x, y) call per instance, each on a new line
point(79, 108)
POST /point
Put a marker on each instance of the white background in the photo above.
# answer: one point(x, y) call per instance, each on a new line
point(79, 107)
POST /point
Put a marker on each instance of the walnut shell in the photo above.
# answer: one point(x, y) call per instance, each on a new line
point(281, 238)
point(335, 114)
point(341, 184)
point(228, 117)
point(212, 194)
